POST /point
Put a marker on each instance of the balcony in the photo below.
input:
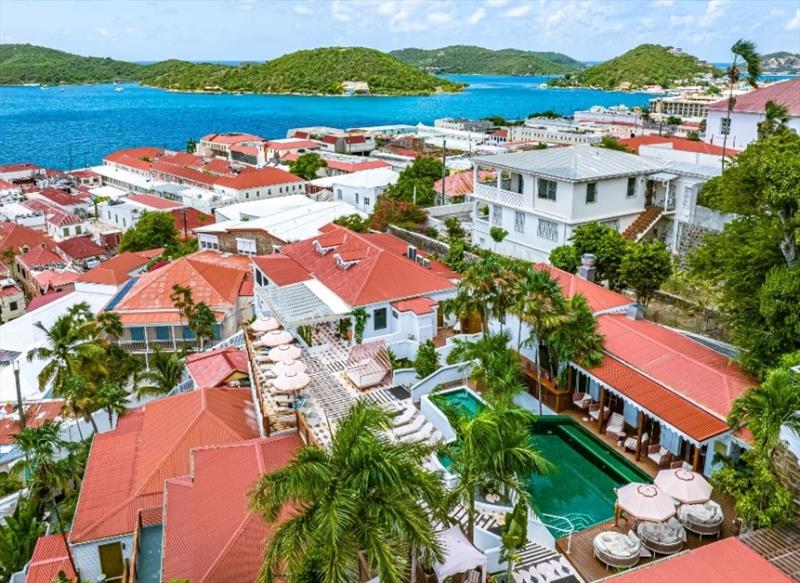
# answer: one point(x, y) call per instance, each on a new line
point(139, 346)
point(492, 193)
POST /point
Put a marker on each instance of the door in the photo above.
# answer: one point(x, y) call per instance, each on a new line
point(111, 561)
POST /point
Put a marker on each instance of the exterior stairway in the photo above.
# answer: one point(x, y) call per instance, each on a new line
point(643, 223)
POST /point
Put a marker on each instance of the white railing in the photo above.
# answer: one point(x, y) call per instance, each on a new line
point(437, 418)
point(404, 376)
point(447, 374)
point(495, 194)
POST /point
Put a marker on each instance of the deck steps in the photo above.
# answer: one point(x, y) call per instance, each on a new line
point(643, 223)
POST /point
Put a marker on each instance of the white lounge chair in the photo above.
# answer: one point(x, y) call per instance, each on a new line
point(582, 400)
point(421, 435)
point(405, 417)
point(616, 426)
point(664, 538)
point(412, 427)
point(660, 455)
point(630, 443)
point(702, 519)
point(616, 549)
point(594, 411)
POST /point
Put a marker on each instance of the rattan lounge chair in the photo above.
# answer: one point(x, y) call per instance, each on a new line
point(617, 550)
point(594, 411)
point(630, 443)
point(660, 455)
point(702, 519)
point(664, 538)
point(616, 426)
point(582, 400)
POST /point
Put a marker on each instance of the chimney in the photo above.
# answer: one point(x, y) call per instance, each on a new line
point(636, 312)
point(587, 270)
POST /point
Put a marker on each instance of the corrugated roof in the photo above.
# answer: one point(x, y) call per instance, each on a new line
point(36, 414)
point(49, 557)
point(127, 467)
point(783, 93)
point(213, 367)
point(598, 297)
point(573, 163)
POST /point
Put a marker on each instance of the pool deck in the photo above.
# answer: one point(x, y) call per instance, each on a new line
point(581, 554)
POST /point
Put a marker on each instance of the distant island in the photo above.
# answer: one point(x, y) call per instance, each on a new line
point(478, 60)
point(643, 66)
point(781, 62)
point(323, 71)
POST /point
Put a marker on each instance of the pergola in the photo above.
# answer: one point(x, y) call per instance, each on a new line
point(304, 303)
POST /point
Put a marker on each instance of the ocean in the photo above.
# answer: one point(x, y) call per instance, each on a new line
point(80, 124)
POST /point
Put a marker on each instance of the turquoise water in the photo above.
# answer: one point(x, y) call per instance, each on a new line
point(82, 123)
point(462, 400)
point(148, 567)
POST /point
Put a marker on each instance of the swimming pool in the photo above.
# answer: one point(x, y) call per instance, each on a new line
point(581, 488)
point(462, 400)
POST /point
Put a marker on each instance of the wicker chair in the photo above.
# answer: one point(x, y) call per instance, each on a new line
point(630, 443)
point(594, 411)
point(582, 400)
point(616, 426)
point(702, 519)
point(617, 550)
point(664, 538)
point(660, 455)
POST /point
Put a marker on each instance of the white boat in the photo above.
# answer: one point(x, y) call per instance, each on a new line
point(117, 87)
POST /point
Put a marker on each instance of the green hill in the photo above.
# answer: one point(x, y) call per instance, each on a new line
point(317, 71)
point(470, 59)
point(781, 62)
point(32, 64)
point(645, 65)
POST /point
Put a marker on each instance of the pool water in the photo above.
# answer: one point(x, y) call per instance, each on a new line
point(461, 400)
point(587, 472)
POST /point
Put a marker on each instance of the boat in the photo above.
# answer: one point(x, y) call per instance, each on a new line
point(117, 87)
point(30, 84)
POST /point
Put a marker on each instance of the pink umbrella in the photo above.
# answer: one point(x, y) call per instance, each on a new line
point(276, 338)
point(286, 366)
point(684, 485)
point(645, 502)
point(265, 325)
point(284, 352)
point(291, 381)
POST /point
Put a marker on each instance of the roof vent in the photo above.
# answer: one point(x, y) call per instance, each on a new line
point(320, 249)
point(342, 264)
point(411, 252)
point(636, 312)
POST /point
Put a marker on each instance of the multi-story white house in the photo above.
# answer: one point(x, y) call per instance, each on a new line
point(539, 197)
point(358, 189)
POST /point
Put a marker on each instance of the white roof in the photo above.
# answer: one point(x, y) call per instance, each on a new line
point(261, 208)
point(111, 192)
point(375, 178)
point(573, 163)
point(125, 176)
point(20, 335)
point(303, 303)
point(289, 222)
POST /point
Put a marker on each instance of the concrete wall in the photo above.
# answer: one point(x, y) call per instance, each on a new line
point(87, 555)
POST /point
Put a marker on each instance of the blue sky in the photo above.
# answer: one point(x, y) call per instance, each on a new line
point(262, 29)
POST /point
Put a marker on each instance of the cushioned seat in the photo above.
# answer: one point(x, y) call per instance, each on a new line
point(616, 549)
point(664, 538)
point(703, 518)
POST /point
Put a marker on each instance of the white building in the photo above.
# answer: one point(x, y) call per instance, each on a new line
point(553, 131)
point(749, 111)
point(124, 213)
point(15, 212)
point(539, 197)
point(359, 189)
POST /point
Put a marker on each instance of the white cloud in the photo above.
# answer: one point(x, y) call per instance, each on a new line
point(476, 16)
point(387, 8)
point(439, 17)
point(517, 11)
point(496, 2)
point(794, 22)
point(302, 9)
point(714, 9)
point(663, 2)
point(246, 5)
point(681, 20)
point(104, 32)
point(340, 11)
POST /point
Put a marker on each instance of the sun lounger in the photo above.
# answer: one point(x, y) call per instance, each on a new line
point(594, 411)
point(582, 400)
point(664, 538)
point(518, 577)
point(616, 426)
point(660, 455)
point(420, 435)
point(616, 549)
point(409, 428)
point(630, 443)
point(702, 519)
point(405, 417)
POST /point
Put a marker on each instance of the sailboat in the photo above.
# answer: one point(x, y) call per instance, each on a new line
point(117, 87)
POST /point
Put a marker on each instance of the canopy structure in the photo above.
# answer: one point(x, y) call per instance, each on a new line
point(460, 555)
point(304, 303)
point(684, 485)
point(291, 381)
point(285, 366)
point(276, 338)
point(285, 352)
point(645, 502)
point(265, 325)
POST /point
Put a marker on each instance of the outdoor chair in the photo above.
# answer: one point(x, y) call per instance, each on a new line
point(630, 443)
point(582, 400)
point(420, 435)
point(405, 417)
point(594, 411)
point(664, 538)
point(681, 465)
point(410, 428)
point(660, 455)
point(616, 426)
point(617, 550)
point(702, 519)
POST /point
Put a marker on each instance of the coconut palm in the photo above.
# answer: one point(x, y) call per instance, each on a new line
point(113, 398)
point(165, 372)
point(494, 447)
point(201, 322)
point(80, 399)
point(765, 409)
point(497, 368)
point(364, 498)
point(744, 53)
point(18, 536)
point(577, 339)
point(478, 289)
point(776, 116)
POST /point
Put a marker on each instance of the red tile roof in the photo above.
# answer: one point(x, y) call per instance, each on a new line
point(80, 248)
point(677, 144)
point(19, 167)
point(15, 237)
point(59, 197)
point(39, 257)
point(213, 367)
point(193, 217)
point(115, 271)
point(783, 93)
point(127, 467)
point(36, 414)
point(419, 306)
point(726, 560)
point(210, 533)
point(154, 202)
point(230, 138)
point(292, 145)
point(45, 299)
point(260, 177)
point(124, 156)
point(458, 184)
point(349, 167)
point(281, 269)
point(181, 159)
point(55, 279)
point(53, 214)
point(598, 297)
point(699, 374)
point(49, 558)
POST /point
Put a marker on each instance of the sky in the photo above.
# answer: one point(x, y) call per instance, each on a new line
point(588, 30)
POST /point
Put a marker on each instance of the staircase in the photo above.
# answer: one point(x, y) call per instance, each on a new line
point(643, 223)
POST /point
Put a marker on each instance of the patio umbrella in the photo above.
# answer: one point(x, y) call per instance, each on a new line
point(291, 381)
point(265, 325)
point(289, 366)
point(645, 502)
point(285, 352)
point(276, 338)
point(684, 485)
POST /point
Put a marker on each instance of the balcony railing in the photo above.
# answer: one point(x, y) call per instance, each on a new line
point(494, 194)
point(150, 345)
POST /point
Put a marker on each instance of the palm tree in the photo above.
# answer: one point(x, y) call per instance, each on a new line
point(746, 51)
point(577, 339)
point(40, 447)
point(181, 298)
point(478, 289)
point(764, 410)
point(542, 307)
point(165, 372)
point(514, 537)
point(18, 536)
point(494, 447)
point(109, 325)
point(364, 498)
point(80, 399)
point(497, 370)
point(201, 322)
point(776, 116)
point(113, 398)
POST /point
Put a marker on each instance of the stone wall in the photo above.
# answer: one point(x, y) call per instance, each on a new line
point(264, 242)
point(690, 237)
point(787, 469)
point(427, 244)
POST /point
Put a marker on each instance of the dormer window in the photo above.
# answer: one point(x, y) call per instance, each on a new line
point(343, 264)
point(322, 250)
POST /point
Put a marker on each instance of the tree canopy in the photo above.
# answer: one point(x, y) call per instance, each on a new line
point(307, 165)
point(645, 267)
point(154, 229)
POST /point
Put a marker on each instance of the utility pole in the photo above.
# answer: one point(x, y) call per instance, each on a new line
point(20, 408)
point(444, 166)
point(185, 233)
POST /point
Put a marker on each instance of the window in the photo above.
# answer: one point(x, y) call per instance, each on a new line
point(519, 221)
point(379, 317)
point(547, 189)
point(497, 214)
point(245, 246)
point(356, 198)
point(65, 231)
point(12, 306)
point(366, 202)
point(187, 333)
point(124, 222)
point(162, 333)
point(547, 230)
point(137, 334)
point(631, 187)
point(395, 315)
point(338, 194)
point(591, 192)
point(217, 332)
point(78, 230)
point(725, 126)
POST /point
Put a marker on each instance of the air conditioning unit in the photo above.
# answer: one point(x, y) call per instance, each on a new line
point(425, 262)
point(411, 252)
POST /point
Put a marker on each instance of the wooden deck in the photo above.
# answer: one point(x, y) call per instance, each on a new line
point(581, 548)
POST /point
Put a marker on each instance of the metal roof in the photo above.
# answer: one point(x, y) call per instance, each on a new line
point(574, 163)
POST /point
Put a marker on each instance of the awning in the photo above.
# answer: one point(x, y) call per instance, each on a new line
point(662, 176)
point(460, 555)
point(304, 303)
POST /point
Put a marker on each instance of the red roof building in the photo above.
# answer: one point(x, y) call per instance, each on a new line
point(418, 306)
point(20, 239)
point(36, 414)
point(67, 202)
point(187, 219)
point(214, 368)
point(80, 249)
point(598, 297)
point(210, 532)
point(120, 268)
point(49, 559)
point(785, 93)
point(155, 203)
point(127, 467)
point(39, 258)
point(40, 301)
point(682, 144)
